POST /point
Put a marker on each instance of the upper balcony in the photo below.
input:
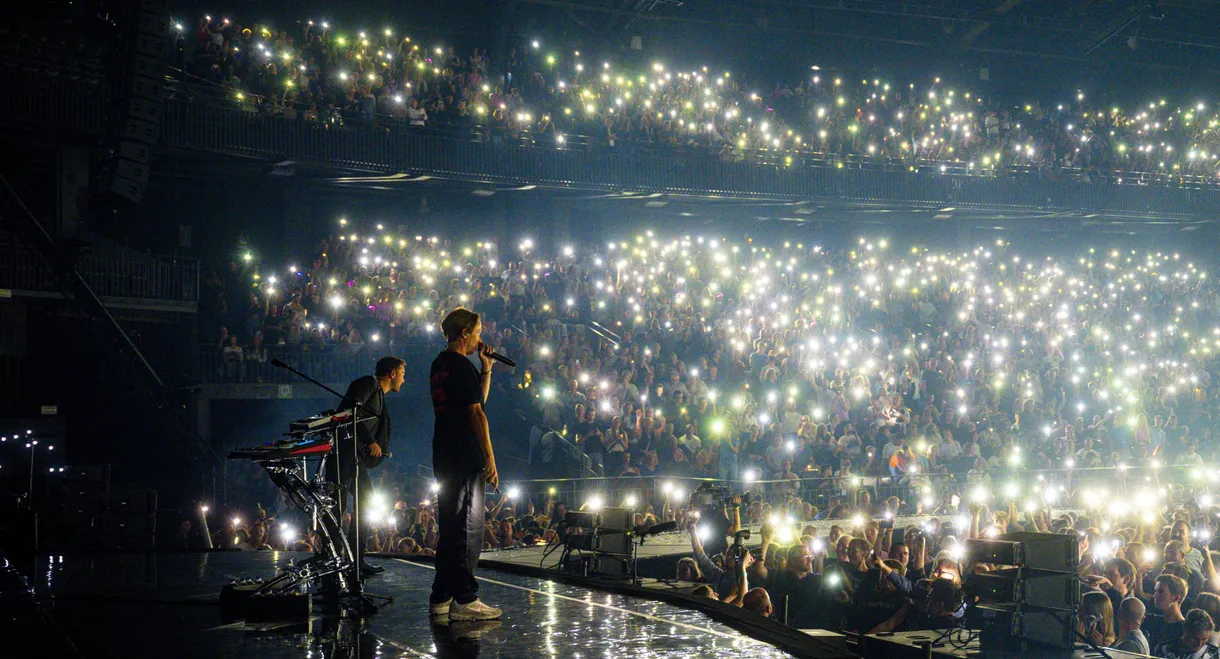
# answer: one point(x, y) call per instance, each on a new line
point(122, 278)
point(585, 163)
point(479, 155)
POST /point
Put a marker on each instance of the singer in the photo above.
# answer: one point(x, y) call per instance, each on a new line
point(462, 461)
point(367, 396)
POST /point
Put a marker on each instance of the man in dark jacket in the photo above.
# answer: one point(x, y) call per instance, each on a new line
point(366, 398)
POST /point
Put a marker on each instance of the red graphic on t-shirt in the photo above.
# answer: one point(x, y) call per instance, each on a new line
point(439, 397)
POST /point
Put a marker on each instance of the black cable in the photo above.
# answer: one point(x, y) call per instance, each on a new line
point(959, 644)
point(945, 634)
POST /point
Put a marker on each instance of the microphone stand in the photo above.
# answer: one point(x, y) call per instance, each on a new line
point(365, 603)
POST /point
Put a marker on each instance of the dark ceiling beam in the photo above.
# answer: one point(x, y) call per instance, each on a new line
point(983, 25)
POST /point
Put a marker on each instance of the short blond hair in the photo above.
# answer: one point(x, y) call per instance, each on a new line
point(459, 320)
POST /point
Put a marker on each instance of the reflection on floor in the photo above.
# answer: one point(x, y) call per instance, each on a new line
point(164, 605)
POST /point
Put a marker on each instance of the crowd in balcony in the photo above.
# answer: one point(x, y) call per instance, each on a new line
point(547, 96)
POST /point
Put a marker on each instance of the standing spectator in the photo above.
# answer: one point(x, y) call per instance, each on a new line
point(1193, 643)
point(1130, 617)
point(232, 356)
point(1167, 597)
point(416, 115)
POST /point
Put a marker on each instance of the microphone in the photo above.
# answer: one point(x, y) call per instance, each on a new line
point(663, 527)
point(279, 364)
point(486, 349)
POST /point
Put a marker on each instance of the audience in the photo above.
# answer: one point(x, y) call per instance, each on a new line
point(530, 95)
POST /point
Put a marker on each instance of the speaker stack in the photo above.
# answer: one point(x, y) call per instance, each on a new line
point(144, 57)
point(77, 499)
point(131, 522)
point(1029, 602)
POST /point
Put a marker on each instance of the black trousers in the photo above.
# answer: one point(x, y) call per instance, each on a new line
point(350, 477)
point(460, 518)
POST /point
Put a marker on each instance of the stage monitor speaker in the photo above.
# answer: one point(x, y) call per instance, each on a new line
point(611, 566)
point(135, 502)
point(1006, 626)
point(119, 525)
point(1041, 588)
point(12, 329)
point(1037, 551)
point(90, 473)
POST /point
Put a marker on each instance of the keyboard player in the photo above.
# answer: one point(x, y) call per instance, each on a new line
point(367, 395)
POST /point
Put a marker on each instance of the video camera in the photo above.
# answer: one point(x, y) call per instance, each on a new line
point(709, 496)
point(738, 551)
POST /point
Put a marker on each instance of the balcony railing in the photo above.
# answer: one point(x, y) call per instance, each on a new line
point(60, 101)
point(589, 164)
point(120, 273)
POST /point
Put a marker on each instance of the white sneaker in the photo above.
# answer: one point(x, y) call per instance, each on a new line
point(439, 609)
point(475, 610)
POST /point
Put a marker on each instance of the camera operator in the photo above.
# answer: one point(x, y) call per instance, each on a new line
point(728, 582)
point(716, 519)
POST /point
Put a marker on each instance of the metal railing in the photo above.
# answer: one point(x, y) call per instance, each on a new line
point(118, 273)
point(62, 102)
point(637, 168)
point(1028, 490)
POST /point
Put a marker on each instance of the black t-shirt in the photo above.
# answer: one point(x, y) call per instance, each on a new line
point(455, 387)
point(1159, 631)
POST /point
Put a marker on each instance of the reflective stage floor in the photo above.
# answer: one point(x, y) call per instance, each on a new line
point(165, 605)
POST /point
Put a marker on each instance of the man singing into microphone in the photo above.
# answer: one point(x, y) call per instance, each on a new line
point(462, 461)
point(366, 396)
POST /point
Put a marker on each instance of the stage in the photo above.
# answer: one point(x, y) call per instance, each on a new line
point(166, 605)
